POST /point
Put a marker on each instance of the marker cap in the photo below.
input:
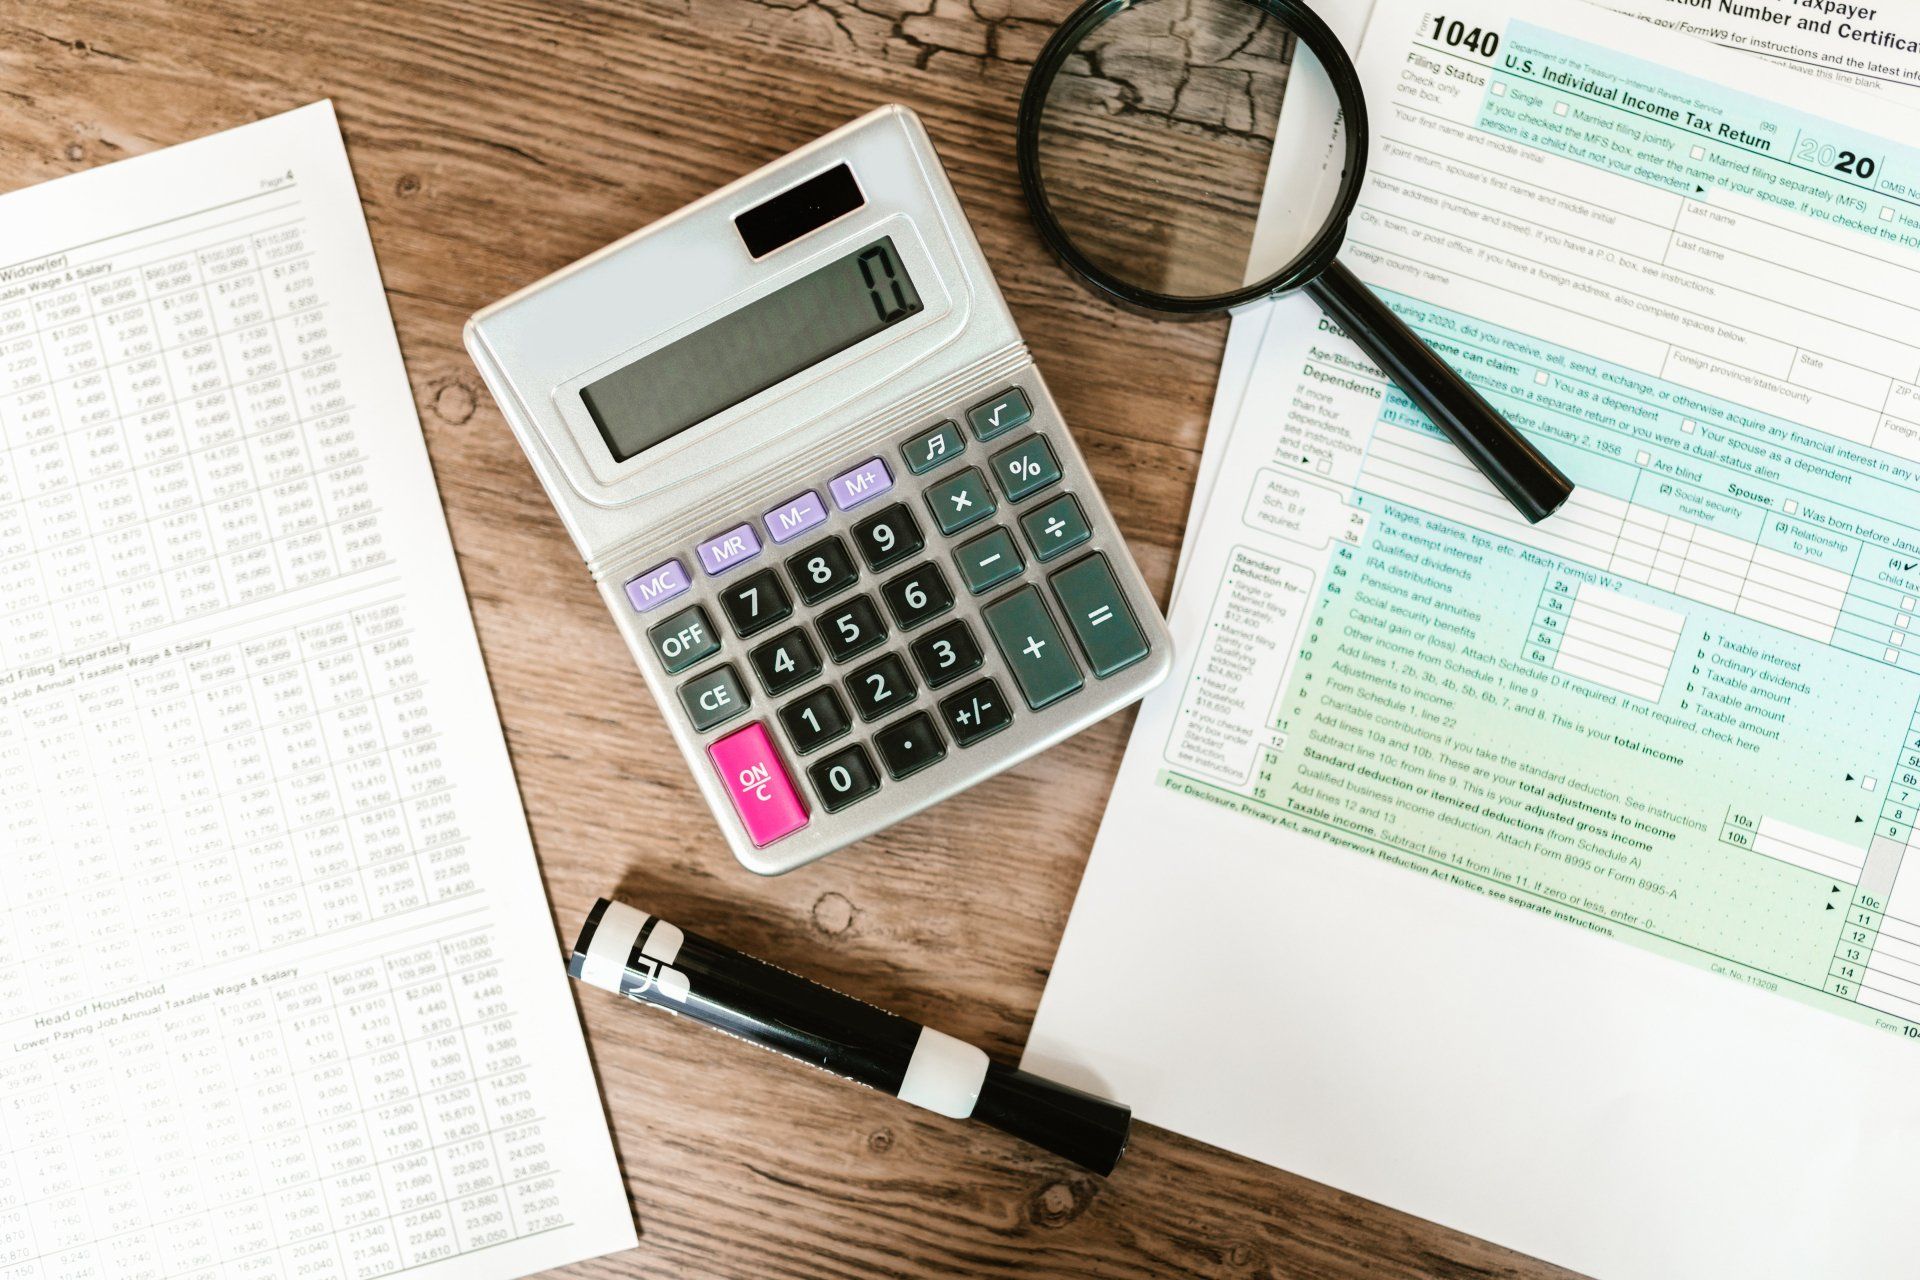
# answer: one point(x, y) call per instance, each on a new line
point(1092, 1132)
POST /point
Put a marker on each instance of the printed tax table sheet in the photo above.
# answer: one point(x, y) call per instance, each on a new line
point(278, 990)
point(1557, 883)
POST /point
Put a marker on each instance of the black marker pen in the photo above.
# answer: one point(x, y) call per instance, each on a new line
point(647, 960)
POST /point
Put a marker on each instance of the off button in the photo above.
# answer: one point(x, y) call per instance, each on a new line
point(684, 639)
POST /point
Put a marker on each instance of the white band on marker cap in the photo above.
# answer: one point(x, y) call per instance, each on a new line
point(612, 943)
point(944, 1075)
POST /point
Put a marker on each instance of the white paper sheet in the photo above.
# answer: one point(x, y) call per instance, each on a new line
point(1624, 1105)
point(278, 990)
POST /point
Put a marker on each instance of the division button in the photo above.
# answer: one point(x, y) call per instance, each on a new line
point(988, 561)
point(1000, 415)
point(960, 501)
point(713, 697)
point(758, 785)
point(1099, 616)
point(684, 639)
point(929, 449)
point(1035, 650)
point(1055, 528)
point(792, 518)
point(910, 745)
point(1026, 468)
point(947, 653)
point(867, 481)
point(977, 711)
point(658, 585)
point(844, 777)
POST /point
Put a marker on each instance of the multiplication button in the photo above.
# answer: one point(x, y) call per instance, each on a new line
point(1099, 616)
point(959, 501)
point(1035, 650)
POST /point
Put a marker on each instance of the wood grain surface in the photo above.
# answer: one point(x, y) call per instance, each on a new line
point(497, 140)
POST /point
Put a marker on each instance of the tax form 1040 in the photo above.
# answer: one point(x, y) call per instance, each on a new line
point(1562, 881)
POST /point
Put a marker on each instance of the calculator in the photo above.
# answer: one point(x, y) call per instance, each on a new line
point(808, 459)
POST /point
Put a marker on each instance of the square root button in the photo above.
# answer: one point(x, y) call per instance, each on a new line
point(721, 553)
point(868, 480)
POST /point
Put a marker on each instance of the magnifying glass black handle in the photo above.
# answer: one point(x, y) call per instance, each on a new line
point(1504, 456)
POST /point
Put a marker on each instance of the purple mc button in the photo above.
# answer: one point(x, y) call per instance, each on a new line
point(658, 585)
point(791, 519)
point(868, 480)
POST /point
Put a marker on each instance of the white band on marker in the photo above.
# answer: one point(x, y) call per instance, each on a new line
point(606, 958)
point(944, 1075)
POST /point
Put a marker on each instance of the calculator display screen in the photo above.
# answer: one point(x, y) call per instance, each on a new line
point(746, 351)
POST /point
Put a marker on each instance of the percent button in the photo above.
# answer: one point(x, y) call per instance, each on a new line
point(1025, 468)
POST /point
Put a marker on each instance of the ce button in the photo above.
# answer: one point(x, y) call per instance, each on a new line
point(713, 698)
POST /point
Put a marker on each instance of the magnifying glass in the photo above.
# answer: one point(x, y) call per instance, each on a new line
point(1147, 137)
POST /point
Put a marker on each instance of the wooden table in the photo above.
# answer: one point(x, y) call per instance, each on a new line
point(495, 141)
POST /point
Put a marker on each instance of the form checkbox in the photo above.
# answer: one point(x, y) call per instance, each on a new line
point(1698, 153)
point(1903, 621)
point(1886, 213)
point(1893, 655)
point(1643, 457)
point(1868, 784)
point(1687, 425)
point(1899, 639)
point(1789, 506)
point(1540, 378)
point(1498, 90)
point(1559, 108)
point(1326, 465)
point(1906, 602)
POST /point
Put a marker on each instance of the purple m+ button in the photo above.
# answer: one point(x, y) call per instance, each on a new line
point(868, 480)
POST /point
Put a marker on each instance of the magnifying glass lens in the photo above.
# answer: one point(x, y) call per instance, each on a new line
point(1156, 140)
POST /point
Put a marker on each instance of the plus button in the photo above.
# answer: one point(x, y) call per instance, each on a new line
point(1033, 647)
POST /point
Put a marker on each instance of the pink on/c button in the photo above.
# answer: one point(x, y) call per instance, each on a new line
point(768, 805)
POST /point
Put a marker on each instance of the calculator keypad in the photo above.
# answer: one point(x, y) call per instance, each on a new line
point(841, 672)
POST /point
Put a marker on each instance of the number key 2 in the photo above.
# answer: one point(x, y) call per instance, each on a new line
point(880, 686)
